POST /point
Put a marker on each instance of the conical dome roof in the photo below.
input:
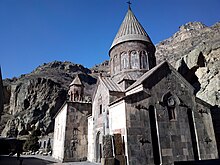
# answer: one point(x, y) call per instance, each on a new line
point(76, 81)
point(130, 29)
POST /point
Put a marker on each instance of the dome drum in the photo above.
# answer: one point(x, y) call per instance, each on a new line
point(132, 56)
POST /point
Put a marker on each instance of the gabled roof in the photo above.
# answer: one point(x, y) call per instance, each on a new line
point(130, 29)
point(110, 84)
point(162, 66)
point(76, 81)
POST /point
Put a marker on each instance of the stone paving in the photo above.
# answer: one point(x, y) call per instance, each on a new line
point(36, 160)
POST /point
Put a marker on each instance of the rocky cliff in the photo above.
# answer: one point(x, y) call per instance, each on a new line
point(34, 99)
point(195, 52)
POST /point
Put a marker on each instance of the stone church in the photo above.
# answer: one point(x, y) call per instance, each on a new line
point(142, 114)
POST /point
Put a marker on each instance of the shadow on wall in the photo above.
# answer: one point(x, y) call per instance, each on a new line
point(189, 74)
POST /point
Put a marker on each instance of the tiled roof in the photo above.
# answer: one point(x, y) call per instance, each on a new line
point(110, 84)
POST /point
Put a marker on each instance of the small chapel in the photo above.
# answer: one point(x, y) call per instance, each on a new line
point(142, 114)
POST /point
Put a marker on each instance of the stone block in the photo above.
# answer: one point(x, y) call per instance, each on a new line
point(183, 139)
point(185, 151)
point(107, 146)
point(167, 152)
point(118, 144)
point(107, 161)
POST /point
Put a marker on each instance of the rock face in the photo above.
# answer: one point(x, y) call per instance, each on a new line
point(195, 51)
point(34, 99)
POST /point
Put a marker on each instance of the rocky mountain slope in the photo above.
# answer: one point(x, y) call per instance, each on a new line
point(34, 99)
point(195, 52)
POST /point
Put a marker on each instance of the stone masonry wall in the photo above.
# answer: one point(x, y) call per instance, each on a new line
point(206, 136)
point(76, 138)
point(176, 133)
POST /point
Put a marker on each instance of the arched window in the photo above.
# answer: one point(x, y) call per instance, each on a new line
point(100, 105)
point(171, 108)
point(112, 66)
point(124, 60)
point(170, 101)
point(144, 60)
point(117, 63)
point(135, 63)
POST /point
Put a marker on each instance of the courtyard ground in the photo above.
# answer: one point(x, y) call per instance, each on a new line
point(36, 160)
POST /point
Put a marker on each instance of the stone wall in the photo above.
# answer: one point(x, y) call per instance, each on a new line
point(76, 137)
point(205, 130)
point(161, 128)
point(99, 114)
point(59, 133)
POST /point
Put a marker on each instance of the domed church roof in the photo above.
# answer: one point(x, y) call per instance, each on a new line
point(130, 29)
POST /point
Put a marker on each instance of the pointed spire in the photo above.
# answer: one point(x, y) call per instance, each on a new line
point(76, 81)
point(130, 29)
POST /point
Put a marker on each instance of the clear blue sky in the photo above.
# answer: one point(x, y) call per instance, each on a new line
point(33, 32)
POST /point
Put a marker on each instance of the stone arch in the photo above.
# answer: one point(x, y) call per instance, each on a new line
point(144, 60)
point(98, 147)
point(124, 60)
point(135, 61)
point(112, 65)
point(169, 94)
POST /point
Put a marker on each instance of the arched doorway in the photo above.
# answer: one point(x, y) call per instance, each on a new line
point(98, 148)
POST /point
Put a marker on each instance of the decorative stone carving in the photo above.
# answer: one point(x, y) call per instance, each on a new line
point(171, 101)
point(107, 146)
